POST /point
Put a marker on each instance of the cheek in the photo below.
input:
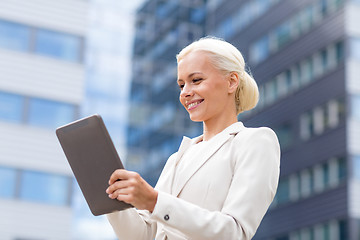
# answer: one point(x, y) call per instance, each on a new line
point(181, 99)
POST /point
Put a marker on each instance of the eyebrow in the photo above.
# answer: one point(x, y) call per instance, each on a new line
point(190, 75)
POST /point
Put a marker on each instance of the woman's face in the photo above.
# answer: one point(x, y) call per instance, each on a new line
point(204, 89)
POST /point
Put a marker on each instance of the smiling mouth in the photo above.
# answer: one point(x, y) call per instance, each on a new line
point(194, 104)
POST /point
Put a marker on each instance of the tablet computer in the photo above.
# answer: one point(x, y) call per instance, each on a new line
point(93, 158)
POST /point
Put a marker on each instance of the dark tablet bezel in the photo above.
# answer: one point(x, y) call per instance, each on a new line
point(93, 158)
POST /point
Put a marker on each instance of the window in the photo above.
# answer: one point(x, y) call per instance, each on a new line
point(14, 36)
point(11, 107)
point(227, 28)
point(307, 19)
point(333, 172)
point(295, 186)
point(356, 167)
point(197, 15)
point(325, 170)
point(333, 113)
point(296, 76)
point(324, 7)
point(355, 48)
point(306, 183)
point(300, 23)
point(283, 34)
point(20, 37)
point(324, 59)
point(271, 92)
point(246, 14)
point(283, 191)
point(284, 133)
point(58, 45)
point(307, 71)
point(7, 182)
point(306, 125)
point(355, 107)
point(343, 229)
point(260, 50)
point(318, 178)
point(45, 113)
point(342, 169)
point(339, 49)
point(326, 229)
point(319, 120)
point(46, 188)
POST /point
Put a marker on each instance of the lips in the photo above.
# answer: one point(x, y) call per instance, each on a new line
point(193, 104)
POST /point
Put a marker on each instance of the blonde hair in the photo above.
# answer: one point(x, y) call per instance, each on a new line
point(227, 59)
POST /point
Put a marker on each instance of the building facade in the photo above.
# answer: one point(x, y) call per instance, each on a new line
point(41, 87)
point(299, 54)
point(157, 122)
point(305, 58)
point(107, 77)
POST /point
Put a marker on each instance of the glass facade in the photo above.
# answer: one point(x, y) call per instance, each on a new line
point(14, 36)
point(51, 114)
point(302, 97)
point(321, 118)
point(7, 182)
point(11, 107)
point(291, 29)
point(299, 75)
point(35, 111)
point(45, 188)
point(356, 167)
point(35, 186)
point(311, 181)
point(157, 120)
point(355, 107)
point(242, 17)
point(59, 45)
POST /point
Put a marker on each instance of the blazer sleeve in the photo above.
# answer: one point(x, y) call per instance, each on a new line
point(135, 224)
point(254, 184)
point(132, 224)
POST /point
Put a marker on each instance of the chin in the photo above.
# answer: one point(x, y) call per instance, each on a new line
point(196, 118)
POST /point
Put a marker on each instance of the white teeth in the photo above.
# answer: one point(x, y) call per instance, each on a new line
point(192, 105)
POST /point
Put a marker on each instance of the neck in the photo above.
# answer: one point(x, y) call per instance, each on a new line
point(214, 126)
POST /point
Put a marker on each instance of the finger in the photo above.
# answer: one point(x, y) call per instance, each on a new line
point(116, 175)
point(117, 185)
point(117, 194)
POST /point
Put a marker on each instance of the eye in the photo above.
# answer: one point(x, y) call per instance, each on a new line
point(181, 86)
point(196, 80)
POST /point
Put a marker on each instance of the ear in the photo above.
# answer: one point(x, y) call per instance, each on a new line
point(233, 82)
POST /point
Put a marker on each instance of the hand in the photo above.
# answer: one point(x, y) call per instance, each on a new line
point(131, 188)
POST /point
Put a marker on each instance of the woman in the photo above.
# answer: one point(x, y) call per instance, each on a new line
point(218, 185)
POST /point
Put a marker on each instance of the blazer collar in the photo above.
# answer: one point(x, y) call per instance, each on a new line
point(200, 158)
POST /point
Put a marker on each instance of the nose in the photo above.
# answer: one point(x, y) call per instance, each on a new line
point(187, 91)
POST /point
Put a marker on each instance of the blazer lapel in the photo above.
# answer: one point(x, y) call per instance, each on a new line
point(185, 144)
point(200, 158)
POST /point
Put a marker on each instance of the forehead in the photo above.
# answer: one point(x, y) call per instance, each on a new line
point(194, 61)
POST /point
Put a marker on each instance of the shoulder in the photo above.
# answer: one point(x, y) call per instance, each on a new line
point(257, 146)
point(262, 139)
point(256, 134)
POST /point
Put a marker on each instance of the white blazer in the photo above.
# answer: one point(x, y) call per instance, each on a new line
point(223, 195)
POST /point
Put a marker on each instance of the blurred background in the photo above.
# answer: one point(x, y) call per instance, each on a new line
point(63, 60)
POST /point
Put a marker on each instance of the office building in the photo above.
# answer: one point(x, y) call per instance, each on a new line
point(304, 56)
point(107, 73)
point(41, 87)
point(157, 122)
